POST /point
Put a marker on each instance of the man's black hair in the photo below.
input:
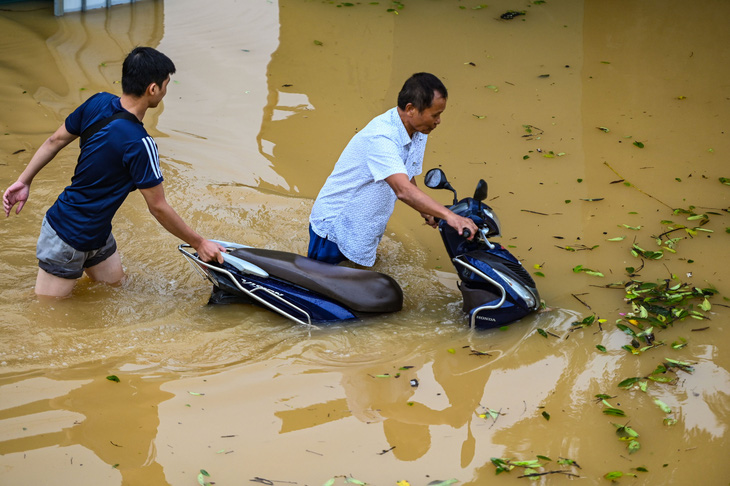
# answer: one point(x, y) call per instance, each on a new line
point(142, 67)
point(418, 90)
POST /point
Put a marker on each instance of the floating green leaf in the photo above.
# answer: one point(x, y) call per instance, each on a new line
point(581, 268)
point(493, 414)
point(635, 228)
point(705, 305)
point(624, 431)
point(201, 478)
point(616, 412)
point(663, 406)
point(633, 446)
point(629, 382)
point(546, 415)
point(639, 144)
point(502, 465)
point(637, 251)
point(682, 365)
point(679, 344)
point(587, 321)
point(448, 482)
point(318, 43)
point(113, 378)
point(601, 348)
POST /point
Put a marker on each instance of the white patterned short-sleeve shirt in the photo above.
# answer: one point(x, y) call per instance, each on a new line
point(355, 203)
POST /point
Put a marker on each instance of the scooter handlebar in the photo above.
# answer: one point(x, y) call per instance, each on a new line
point(466, 232)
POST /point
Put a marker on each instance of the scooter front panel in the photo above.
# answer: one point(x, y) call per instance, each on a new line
point(491, 318)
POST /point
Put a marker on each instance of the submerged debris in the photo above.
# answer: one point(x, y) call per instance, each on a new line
point(510, 14)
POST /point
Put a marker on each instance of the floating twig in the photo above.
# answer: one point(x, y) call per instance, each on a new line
point(579, 300)
point(536, 474)
point(635, 187)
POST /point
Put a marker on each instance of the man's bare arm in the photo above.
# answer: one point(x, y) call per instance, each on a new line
point(172, 222)
point(407, 191)
point(19, 191)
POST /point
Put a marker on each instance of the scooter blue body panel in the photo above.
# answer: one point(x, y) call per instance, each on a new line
point(298, 302)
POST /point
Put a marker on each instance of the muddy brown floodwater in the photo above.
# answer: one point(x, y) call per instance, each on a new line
point(550, 108)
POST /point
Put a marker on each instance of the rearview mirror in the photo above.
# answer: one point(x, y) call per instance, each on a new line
point(436, 179)
point(480, 193)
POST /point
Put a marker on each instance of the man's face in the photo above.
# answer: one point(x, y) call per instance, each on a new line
point(159, 92)
point(425, 121)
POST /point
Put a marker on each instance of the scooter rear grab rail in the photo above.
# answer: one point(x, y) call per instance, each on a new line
point(245, 267)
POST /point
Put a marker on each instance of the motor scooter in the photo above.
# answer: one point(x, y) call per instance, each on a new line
point(495, 287)
point(304, 290)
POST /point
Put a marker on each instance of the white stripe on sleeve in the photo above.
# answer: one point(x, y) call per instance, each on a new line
point(151, 147)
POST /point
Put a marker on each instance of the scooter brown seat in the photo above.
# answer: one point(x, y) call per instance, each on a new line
point(358, 289)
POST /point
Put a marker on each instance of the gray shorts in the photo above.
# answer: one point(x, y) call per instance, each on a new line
point(58, 258)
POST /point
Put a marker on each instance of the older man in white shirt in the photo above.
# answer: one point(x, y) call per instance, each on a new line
point(377, 168)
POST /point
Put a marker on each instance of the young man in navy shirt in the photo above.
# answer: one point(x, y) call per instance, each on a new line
point(117, 156)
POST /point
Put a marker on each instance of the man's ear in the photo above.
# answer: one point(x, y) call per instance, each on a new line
point(153, 89)
point(410, 109)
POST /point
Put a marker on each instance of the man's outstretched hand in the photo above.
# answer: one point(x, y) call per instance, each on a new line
point(209, 251)
point(17, 193)
point(460, 224)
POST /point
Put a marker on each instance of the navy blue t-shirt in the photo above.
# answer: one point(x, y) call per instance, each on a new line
point(118, 159)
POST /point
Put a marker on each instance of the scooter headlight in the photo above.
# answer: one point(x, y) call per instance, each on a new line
point(524, 294)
